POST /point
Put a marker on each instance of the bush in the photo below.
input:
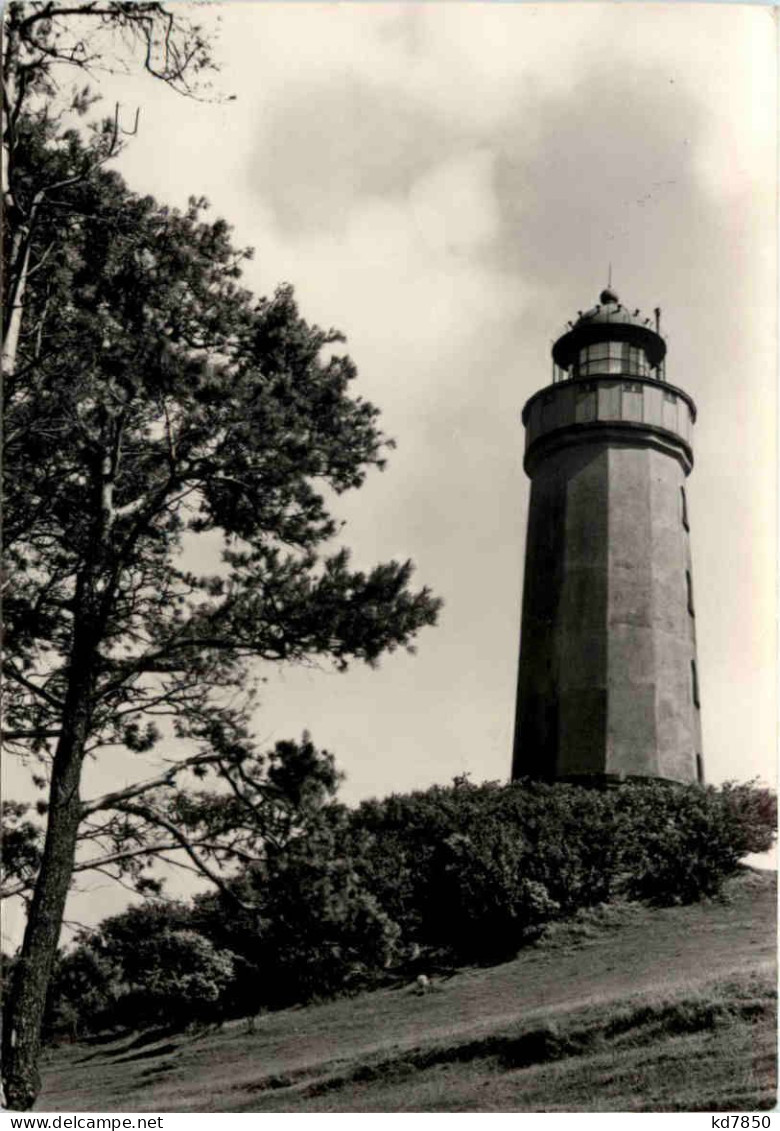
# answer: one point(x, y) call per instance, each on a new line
point(752, 812)
point(485, 906)
point(145, 966)
point(175, 977)
point(480, 869)
point(317, 929)
point(570, 837)
point(86, 986)
point(680, 843)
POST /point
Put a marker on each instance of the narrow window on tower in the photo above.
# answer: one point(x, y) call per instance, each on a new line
point(699, 770)
point(689, 586)
point(695, 684)
point(684, 509)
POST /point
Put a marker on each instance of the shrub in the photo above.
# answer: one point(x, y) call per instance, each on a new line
point(85, 988)
point(317, 929)
point(680, 843)
point(485, 906)
point(570, 837)
point(175, 977)
point(145, 966)
point(752, 811)
point(480, 869)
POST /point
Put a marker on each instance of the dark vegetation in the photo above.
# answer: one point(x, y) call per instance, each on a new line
point(421, 882)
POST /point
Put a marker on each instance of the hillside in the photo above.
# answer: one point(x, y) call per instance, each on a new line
point(626, 1009)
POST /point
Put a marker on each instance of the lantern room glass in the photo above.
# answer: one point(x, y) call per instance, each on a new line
point(620, 358)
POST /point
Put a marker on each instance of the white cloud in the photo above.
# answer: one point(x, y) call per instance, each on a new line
point(453, 206)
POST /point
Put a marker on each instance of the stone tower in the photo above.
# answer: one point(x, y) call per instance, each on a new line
point(608, 687)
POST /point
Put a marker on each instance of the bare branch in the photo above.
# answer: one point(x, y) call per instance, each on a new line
point(52, 700)
point(155, 818)
point(12, 735)
point(116, 799)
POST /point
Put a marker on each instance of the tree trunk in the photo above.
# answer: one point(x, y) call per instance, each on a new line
point(20, 269)
point(25, 1014)
point(14, 313)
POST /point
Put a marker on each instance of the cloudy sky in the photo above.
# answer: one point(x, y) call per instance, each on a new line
point(447, 183)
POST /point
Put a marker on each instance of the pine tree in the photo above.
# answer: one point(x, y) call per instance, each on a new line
point(155, 405)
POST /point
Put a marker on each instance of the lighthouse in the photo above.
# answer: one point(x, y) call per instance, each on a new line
point(608, 686)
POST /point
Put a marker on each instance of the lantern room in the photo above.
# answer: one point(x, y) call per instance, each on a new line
point(609, 340)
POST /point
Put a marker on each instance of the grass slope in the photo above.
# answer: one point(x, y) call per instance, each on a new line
point(627, 1009)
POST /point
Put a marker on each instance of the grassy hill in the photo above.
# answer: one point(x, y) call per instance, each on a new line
point(625, 1009)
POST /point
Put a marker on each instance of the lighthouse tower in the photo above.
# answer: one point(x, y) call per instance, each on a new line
point(608, 687)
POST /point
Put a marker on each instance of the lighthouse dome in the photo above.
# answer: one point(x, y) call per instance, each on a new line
point(610, 310)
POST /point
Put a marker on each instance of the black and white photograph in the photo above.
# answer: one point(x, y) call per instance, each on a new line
point(389, 532)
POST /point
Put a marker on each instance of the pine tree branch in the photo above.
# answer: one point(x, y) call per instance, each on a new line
point(12, 735)
point(116, 799)
point(155, 818)
point(12, 673)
